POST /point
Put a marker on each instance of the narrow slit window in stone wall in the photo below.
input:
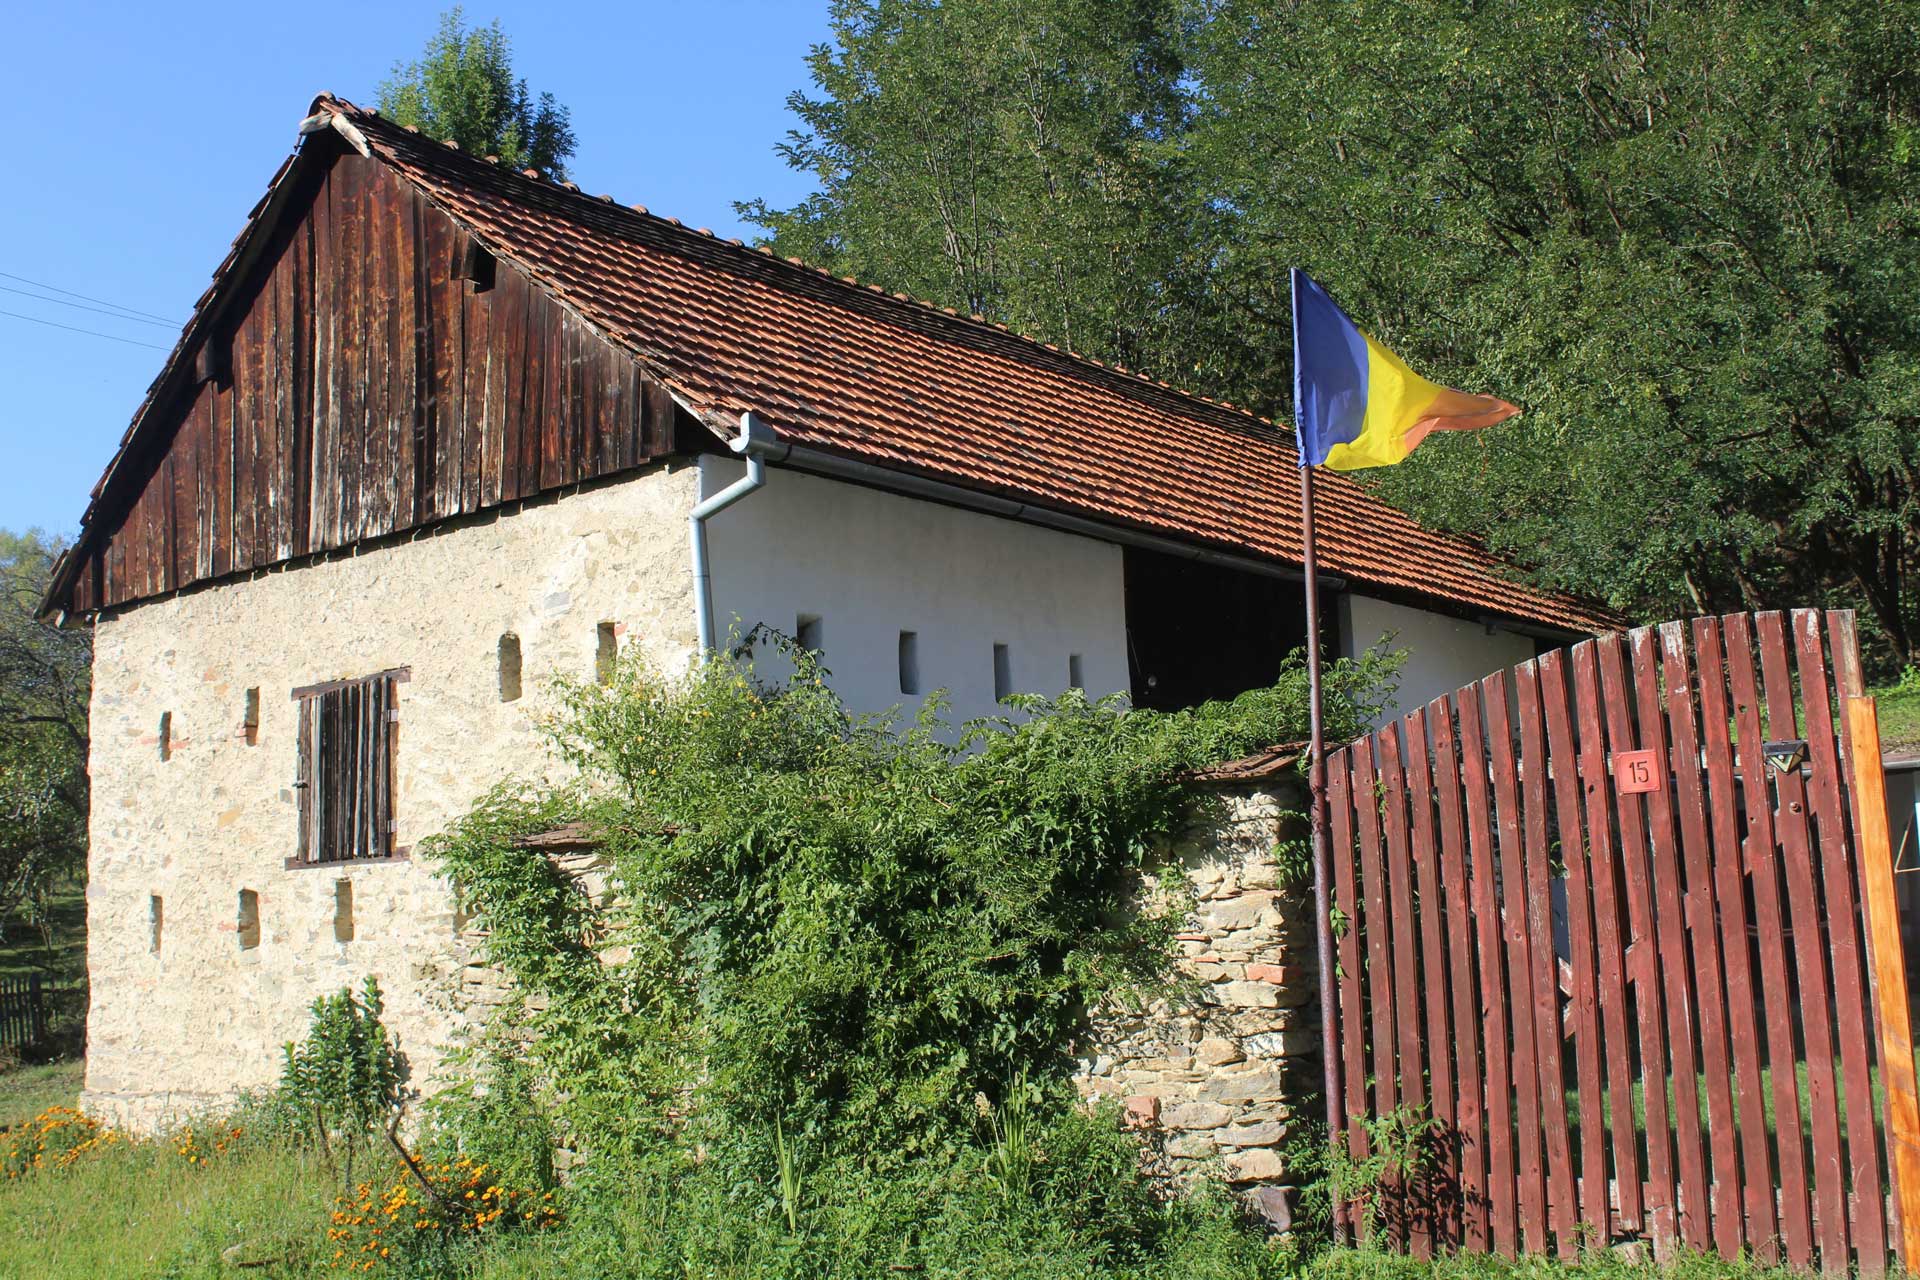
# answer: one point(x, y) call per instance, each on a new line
point(1002, 672)
point(156, 917)
point(166, 735)
point(1076, 676)
point(250, 717)
point(345, 772)
point(606, 652)
point(509, 667)
point(247, 922)
point(909, 662)
point(810, 633)
point(343, 911)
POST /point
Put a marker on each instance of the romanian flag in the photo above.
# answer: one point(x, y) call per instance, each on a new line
point(1355, 403)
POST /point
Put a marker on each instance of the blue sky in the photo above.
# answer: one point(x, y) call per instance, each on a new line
point(135, 138)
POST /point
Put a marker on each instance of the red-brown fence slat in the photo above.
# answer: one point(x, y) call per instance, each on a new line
point(1696, 855)
point(1350, 974)
point(1489, 938)
point(1588, 1048)
point(1730, 899)
point(1405, 957)
point(1856, 1027)
point(1844, 644)
point(1469, 1107)
point(1776, 993)
point(1661, 1202)
point(1696, 1212)
point(1609, 924)
point(1810, 962)
point(1529, 1158)
point(1435, 974)
point(1381, 1066)
point(1548, 1036)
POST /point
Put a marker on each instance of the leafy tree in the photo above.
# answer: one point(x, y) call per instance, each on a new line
point(1011, 158)
point(463, 90)
point(45, 678)
point(1682, 236)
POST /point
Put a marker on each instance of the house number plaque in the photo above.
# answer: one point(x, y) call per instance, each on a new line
point(1636, 772)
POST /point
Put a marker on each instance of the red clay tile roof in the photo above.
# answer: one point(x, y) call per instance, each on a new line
point(841, 366)
point(847, 368)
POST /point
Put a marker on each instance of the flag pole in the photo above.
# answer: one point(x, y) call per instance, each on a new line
point(1317, 790)
point(1317, 821)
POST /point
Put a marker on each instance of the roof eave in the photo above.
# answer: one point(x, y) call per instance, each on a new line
point(1012, 505)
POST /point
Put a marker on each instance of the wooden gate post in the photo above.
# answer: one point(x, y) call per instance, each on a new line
point(1874, 846)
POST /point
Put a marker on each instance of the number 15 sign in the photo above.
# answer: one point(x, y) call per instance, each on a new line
point(1636, 772)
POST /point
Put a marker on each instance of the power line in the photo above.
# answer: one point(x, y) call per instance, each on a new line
point(95, 333)
point(81, 306)
point(84, 298)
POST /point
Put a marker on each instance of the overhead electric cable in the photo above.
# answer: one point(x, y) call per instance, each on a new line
point(81, 306)
point(92, 333)
point(85, 298)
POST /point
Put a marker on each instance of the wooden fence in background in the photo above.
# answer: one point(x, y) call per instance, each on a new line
point(1603, 969)
point(23, 1011)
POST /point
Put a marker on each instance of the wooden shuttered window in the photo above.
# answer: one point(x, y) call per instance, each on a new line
point(345, 773)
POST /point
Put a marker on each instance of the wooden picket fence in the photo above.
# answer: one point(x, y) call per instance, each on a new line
point(23, 1011)
point(1603, 968)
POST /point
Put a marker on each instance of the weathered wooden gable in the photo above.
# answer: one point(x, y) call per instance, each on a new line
point(355, 385)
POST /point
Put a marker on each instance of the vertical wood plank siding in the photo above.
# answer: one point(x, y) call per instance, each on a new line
point(368, 391)
point(1536, 952)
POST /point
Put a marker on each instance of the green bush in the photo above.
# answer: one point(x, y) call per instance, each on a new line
point(345, 1075)
point(851, 925)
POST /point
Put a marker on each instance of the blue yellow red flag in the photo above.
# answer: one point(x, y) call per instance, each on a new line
point(1355, 403)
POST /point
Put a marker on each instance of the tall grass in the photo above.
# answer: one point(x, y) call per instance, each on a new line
point(142, 1210)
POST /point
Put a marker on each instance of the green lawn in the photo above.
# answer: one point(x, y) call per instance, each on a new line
point(27, 1091)
point(1899, 718)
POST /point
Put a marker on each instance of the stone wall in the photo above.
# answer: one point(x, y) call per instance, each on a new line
point(191, 1007)
point(184, 1013)
point(1212, 1077)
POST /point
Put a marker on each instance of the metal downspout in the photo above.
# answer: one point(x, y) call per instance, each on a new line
point(753, 442)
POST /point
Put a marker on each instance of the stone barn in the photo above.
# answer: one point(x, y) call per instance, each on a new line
point(440, 429)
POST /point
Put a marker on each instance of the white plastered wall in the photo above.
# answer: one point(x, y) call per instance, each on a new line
point(1443, 653)
point(184, 1028)
point(870, 565)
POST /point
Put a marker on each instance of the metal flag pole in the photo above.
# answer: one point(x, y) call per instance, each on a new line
point(1317, 790)
point(1317, 821)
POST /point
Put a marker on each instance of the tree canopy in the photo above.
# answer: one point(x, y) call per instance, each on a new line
point(1013, 159)
point(45, 678)
point(1686, 238)
point(463, 90)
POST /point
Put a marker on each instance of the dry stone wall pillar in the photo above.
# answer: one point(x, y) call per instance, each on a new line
point(1214, 1075)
